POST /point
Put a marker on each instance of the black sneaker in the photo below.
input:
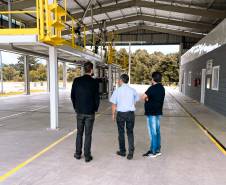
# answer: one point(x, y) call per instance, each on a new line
point(77, 156)
point(158, 152)
point(130, 156)
point(120, 153)
point(88, 159)
point(149, 154)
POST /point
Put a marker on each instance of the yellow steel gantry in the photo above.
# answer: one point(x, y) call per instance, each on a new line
point(51, 19)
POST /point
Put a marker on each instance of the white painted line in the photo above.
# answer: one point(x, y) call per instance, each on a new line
point(22, 113)
point(39, 108)
point(13, 115)
point(71, 133)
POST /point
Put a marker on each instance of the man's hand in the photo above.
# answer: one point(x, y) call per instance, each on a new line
point(113, 117)
point(113, 111)
point(146, 99)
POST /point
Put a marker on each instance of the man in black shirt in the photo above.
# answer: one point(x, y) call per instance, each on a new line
point(154, 98)
point(85, 99)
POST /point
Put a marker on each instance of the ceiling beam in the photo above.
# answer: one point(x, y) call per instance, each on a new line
point(179, 9)
point(156, 20)
point(105, 9)
point(152, 28)
point(144, 27)
point(159, 6)
point(19, 5)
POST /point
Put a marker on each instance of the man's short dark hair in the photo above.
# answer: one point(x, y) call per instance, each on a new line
point(124, 78)
point(157, 76)
point(88, 66)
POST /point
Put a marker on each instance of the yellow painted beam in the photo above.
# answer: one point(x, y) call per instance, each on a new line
point(26, 31)
point(33, 11)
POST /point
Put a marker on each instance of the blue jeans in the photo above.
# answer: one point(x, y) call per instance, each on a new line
point(154, 132)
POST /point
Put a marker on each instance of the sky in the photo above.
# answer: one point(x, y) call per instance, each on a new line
point(152, 48)
point(10, 58)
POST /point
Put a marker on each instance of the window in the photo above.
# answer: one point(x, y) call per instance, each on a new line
point(189, 78)
point(215, 78)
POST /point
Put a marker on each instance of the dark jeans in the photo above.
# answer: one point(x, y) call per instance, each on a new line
point(128, 118)
point(84, 121)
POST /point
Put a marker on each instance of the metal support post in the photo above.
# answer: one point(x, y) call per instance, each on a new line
point(115, 78)
point(64, 76)
point(82, 69)
point(109, 81)
point(103, 72)
point(26, 74)
point(129, 62)
point(54, 100)
point(9, 15)
point(119, 75)
point(1, 92)
point(48, 80)
point(180, 77)
point(99, 75)
point(94, 69)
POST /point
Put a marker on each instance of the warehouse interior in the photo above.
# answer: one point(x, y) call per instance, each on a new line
point(38, 131)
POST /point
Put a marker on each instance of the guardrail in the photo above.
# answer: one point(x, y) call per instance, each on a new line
point(51, 20)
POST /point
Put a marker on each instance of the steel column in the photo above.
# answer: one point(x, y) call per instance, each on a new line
point(115, 78)
point(64, 76)
point(94, 69)
point(109, 81)
point(48, 76)
point(129, 62)
point(54, 100)
point(1, 73)
point(119, 75)
point(9, 15)
point(26, 74)
point(82, 69)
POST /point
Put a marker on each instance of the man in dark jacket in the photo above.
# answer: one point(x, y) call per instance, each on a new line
point(85, 99)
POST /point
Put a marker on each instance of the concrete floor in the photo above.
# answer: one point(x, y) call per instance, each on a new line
point(188, 155)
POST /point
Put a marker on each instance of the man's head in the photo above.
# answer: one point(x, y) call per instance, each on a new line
point(156, 77)
point(88, 67)
point(124, 79)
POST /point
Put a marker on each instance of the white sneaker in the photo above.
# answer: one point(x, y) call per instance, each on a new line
point(158, 152)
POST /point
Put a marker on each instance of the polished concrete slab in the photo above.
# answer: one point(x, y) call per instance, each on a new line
point(214, 122)
point(188, 155)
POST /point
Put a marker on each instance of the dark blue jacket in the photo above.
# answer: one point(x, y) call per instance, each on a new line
point(85, 95)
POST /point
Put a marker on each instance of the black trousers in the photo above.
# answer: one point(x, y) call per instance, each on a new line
point(129, 119)
point(84, 121)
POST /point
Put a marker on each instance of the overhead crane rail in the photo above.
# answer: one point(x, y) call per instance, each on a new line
point(51, 20)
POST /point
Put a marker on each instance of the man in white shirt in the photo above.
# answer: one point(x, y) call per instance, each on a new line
point(124, 100)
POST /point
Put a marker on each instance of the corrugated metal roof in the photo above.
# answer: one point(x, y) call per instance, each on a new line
point(75, 6)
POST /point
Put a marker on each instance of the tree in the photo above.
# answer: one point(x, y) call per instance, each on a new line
point(169, 67)
point(34, 76)
point(144, 64)
point(60, 72)
point(8, 73)
point(73, 73)
point(42, 72)
point(122, 52)
point(33, 64)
